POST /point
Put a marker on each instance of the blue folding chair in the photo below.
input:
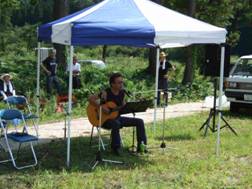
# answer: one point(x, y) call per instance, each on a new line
point(7, 115)
point(21, 103)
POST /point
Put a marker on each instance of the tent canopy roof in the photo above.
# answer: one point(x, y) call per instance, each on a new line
point(139, 23)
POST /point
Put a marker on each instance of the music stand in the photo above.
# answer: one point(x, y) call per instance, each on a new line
point(134, 107)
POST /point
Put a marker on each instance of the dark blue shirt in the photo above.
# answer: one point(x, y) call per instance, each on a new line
point(118, 99)
point(50, 64)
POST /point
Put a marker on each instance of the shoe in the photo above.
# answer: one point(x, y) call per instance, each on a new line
point(140, 152)
point(145, 152)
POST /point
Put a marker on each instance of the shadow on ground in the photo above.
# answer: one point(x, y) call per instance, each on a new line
point(242, 113)
point(52, 156)
point(176, 137)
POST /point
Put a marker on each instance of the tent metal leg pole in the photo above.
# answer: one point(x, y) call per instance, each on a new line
point(220, 99)
point(156, 91)
point(69, 104)
point(38, 80)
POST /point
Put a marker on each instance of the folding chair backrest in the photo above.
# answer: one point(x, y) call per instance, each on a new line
point(10, 114)
point(20, 102)
point(16, 100)
point(19, 137)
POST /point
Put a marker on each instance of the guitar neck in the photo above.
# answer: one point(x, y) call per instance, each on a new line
point(117, 108)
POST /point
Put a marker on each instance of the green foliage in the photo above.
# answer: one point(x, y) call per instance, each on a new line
point(23, 68)
point(19, 40)
point(210, 12)
point(6, 9)
point(41, 11)
point(22, 65)
point(112, 51)
point(76, 5)
point(199, 89)
point(229, 14)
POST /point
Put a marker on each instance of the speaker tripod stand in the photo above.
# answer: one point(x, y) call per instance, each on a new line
point(212, 115)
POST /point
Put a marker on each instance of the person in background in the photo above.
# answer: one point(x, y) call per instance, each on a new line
point(164, 67)
point(49, 65)
point(6, 86)
point(76, 68)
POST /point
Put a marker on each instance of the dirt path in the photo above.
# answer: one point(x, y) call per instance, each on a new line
point(82, 127)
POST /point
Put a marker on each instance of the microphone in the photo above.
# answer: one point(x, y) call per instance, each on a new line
point(102, 100)
point(128, 93)
point(101, 90)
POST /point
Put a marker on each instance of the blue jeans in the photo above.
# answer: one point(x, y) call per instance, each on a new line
point(52, 80)
point(116, 124)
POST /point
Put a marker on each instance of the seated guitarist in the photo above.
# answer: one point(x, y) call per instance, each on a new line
point(116, 94)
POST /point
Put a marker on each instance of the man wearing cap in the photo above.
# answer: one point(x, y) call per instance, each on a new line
point(6, 86)
point(164, 67)
point(50, 67)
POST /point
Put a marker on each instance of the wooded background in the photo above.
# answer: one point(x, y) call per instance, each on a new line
point(20, 18)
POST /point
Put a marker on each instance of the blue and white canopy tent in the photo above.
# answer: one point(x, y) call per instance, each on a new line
point(139, 23)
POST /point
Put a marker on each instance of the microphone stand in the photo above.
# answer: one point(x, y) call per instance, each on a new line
point(163, 145)
point(164, 104)
point(133, 147)
point(98, 158)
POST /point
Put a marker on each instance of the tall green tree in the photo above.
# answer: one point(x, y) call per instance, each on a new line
point(188, 71)
point(6, 9)
point(220, 13)
point(242, 17)
point(60, 9)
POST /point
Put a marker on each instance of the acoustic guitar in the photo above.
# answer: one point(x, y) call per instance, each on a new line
point(93, 113)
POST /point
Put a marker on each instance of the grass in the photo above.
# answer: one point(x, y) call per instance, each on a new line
point(193, 164)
